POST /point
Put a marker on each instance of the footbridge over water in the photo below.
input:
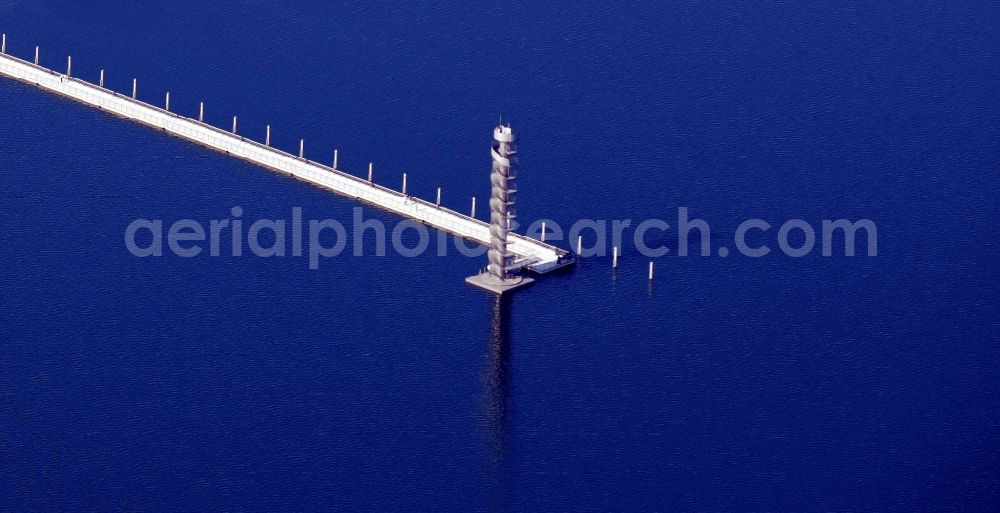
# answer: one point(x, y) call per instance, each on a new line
point(528, 253)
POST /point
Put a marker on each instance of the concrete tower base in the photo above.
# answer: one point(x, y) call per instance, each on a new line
point(491, 284)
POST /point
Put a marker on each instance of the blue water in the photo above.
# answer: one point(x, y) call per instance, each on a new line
point(387, 383)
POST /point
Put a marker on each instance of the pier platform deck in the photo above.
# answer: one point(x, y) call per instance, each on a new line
point(531, 254)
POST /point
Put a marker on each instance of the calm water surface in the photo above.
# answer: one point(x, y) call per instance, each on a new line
point(386, 383)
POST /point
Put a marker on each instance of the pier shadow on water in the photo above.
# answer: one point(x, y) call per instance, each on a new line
point(495, 405)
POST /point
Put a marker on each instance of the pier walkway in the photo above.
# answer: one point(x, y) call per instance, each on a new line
point(529, 253)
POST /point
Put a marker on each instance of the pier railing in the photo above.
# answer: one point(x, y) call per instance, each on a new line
point(534, 254)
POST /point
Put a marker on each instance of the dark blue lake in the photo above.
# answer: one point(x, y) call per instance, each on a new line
point(865, 383)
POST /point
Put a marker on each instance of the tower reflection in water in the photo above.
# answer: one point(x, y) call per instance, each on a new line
point(496, 397)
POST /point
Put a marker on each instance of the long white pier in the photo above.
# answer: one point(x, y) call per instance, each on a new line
point(530, 253)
